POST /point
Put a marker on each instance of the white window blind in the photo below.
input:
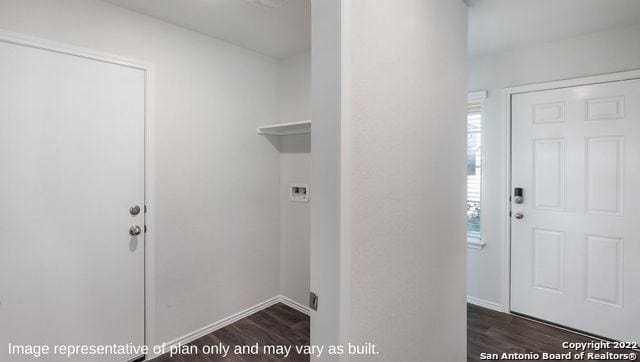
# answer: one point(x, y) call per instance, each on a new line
point(474, 168)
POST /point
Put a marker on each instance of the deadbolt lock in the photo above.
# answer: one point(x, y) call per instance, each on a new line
point(518, 195)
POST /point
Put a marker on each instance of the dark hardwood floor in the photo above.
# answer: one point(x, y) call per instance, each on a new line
point(276, 325)
point(487, 332)
point(493, 332)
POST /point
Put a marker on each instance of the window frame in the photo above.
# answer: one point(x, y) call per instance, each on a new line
point(478, 96)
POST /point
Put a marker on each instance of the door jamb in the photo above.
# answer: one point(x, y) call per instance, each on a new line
point(10, 37)
point(506, 186)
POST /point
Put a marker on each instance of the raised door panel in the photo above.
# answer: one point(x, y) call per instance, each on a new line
point(548, 260)
point(605, 175)
point(549, 174)
point(604, 270)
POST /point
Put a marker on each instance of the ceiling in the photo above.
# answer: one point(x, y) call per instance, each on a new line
point(499, 25)
point(277, 28)
point(282, 28)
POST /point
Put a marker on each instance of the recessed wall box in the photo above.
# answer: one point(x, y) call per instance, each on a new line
point(299, 192)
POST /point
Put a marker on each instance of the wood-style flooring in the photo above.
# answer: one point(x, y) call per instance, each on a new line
point(493, 332)
point(487, 332)
point(276, 325)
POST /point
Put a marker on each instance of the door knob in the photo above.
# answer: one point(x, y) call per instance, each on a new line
point(135, 230)
point(518, 215)
point(134, 210)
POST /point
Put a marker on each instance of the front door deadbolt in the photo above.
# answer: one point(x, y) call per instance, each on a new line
point(518, 195)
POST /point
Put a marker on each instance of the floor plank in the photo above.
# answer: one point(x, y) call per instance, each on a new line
point(276, 325)
point(487, 332)
point(493, 332)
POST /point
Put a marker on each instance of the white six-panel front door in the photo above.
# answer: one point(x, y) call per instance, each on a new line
point(576, 250)
point(71, 166)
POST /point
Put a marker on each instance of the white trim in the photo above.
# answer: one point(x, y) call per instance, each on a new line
point(10, 37)
point(567, 83)
point(477, 95)
point(293, 304)
point(150, 215)
point(190, 337)
point(505, 201)
point(485, 304)
point(506, 159)
point(481, 95)
point(475, 244)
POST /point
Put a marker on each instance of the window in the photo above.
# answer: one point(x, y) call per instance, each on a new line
point(474, 169)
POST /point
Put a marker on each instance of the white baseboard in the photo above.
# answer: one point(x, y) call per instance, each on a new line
point(485, 304)
point(190, 337)
point(293, 304)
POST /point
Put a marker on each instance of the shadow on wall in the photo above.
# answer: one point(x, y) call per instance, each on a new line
point(300, 143)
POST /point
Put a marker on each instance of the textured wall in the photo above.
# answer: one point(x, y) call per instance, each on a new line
point(405, 80)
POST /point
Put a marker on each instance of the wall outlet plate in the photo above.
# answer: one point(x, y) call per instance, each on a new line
point(299, 192)
point(313, 301)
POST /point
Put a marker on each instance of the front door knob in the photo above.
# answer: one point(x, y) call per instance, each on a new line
point(135, 230)
point(519, 215)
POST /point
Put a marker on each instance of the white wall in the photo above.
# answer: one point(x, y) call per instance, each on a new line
point(294, 104)
point(217, 245)
point(325, 262)
point(294, 88)
point(403, 111)
point(604, 52)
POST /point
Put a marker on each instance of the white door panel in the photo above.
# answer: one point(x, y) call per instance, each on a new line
point(576, 154)
point(71, 165)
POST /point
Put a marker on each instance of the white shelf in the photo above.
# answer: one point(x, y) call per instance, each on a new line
point(284, 129)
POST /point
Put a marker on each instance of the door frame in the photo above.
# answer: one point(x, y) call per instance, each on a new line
point(506, 185)
point(149, 157)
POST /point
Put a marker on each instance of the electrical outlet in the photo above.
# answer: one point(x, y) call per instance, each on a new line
point(313, 301)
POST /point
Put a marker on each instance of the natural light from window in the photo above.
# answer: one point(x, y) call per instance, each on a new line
point(474, 171)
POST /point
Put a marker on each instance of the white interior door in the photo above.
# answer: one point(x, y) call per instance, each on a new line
point(576, 251)
point(71, 166)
